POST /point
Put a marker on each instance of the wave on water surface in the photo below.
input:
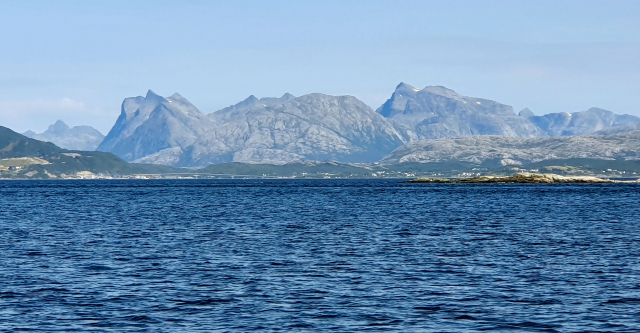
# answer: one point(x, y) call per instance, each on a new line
point(313, 255)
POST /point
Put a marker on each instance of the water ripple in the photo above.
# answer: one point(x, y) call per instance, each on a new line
point(316, 255)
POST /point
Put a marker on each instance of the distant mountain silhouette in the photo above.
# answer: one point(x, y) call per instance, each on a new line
point(75, 138)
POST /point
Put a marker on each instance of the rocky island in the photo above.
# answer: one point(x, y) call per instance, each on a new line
point(522, 178)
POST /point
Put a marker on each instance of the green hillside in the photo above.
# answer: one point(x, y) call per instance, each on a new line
point(14, 145)
point(14, 148)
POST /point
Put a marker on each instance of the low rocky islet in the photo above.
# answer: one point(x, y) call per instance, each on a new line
point(520, 178)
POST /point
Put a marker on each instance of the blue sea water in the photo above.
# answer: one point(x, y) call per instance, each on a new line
point(318, 255)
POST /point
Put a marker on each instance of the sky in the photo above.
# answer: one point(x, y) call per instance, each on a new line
point(77, 60)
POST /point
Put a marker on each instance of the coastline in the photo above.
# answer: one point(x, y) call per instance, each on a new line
point(523, 178)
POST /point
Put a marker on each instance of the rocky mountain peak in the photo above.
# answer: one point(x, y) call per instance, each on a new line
point(176, 96)
point(74, 138)
point(153, 124)
point(59, 127)
point(599, 111)
point(153, 97)
point(439, 112)
point(398, 101)
point(317, 126)
point(526, 113)
point(251, 99)
point(250, 103)
point(29, 134)
point(266, 130)
point(442, 91)
point(405, 87)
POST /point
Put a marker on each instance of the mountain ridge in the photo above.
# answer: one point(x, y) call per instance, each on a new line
point(172, 131)
point(275, 130)
point(41, 159)
point(438, 112)
point(73, 138)
point(518, 151)
point(580, 122)
point(616, 155)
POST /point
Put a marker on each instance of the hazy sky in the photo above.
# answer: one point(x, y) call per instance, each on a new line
point(77, 60)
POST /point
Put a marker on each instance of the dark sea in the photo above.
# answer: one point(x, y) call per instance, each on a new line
point(318, 255)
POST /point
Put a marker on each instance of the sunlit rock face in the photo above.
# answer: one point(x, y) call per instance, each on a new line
point(437, 112)
point(172, 131)
point(151, 124)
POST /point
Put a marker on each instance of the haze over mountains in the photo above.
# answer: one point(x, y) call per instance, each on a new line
point(579, 123)
point(437, 112)
point(75, 138)
point(37, 159)
point(317, 127)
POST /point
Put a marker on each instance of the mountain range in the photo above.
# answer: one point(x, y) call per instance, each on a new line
point(493, 151)
point(579, 123)
point(437, 112)
point(171, 131)
point(75, 138)
point(608, 155)
point(317, 127)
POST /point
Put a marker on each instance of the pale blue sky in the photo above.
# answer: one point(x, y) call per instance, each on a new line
point(77, 60)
